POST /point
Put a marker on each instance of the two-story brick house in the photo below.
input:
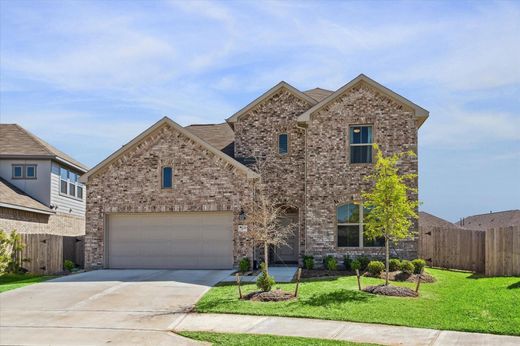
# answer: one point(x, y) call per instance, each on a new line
point(173, 197)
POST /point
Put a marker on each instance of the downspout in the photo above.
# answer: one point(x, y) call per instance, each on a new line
point(304, 128)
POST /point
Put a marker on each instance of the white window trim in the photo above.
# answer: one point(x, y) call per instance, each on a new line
point(68, 181)
point(361, 224)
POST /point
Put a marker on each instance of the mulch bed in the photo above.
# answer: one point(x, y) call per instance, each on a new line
point(323, 273)
point(389, 290)
point(271, 296)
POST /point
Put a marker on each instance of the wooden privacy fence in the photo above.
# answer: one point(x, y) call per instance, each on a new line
point(503, 251)
point(47, 252)
point(493, 252)
point(453, 248)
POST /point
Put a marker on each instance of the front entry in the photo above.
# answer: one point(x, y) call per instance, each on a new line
point(288, 254)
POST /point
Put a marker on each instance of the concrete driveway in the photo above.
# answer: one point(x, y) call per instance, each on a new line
point(105, 306)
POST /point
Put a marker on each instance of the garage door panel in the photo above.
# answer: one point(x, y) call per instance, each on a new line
point(170, 240)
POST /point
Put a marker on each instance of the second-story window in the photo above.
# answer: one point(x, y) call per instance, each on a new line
point(361, 144)
point(167, 178)
point(30, 171)
point(24, 171)
point(69, 184)
point(283, 143)
point(17, 171)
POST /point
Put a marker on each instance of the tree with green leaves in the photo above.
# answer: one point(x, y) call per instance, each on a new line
point(392, 211)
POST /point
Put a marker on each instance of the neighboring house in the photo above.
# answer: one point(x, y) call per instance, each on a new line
point(173, 197)
point(40, 191)
point(491, 220)
point(429, 220)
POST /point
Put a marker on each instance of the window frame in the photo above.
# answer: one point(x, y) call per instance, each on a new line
point(23, 167)
point(350, 145)
point(278, 143)
point(70, 182)
point(361, 224)
point(162, 178)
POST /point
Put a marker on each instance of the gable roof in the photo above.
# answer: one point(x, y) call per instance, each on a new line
point(429, 220)
point(421, 113)
point(318, 93)
point(16, 142)
point(14, 198)
point(491, 220)
point(250, 173)
point(266, 95)
point(221, 136)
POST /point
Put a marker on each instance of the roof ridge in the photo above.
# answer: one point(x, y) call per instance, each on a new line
point(493, 212)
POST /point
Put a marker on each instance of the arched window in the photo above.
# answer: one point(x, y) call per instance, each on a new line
point(350, 225)
point(167, 178)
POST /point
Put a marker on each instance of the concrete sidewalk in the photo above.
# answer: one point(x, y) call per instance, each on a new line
point(323, 329)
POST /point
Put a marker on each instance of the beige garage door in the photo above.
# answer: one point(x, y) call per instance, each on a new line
point(170, 240)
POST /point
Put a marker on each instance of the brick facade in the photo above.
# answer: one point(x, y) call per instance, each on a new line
point(314, 177)
point(131, 184)
point(29, 222)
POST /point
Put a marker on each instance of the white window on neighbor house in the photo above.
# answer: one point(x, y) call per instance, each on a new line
point(24, 171)
point(167, 178)
point(361, 144)
point(350, 227)
point(69, 184)
point(17, 171)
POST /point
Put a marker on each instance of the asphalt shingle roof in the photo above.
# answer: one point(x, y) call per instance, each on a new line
point(220, 136)
point(492, 220)
point(13, 197)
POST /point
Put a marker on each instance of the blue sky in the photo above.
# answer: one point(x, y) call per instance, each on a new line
point(89, 76)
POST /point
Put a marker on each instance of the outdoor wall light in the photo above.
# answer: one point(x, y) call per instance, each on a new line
point(242, 215)
point(357, 130)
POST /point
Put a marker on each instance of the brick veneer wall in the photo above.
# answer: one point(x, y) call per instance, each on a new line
point(332, 180)
point(256, 135)
point(28, 222)
point(132, 183)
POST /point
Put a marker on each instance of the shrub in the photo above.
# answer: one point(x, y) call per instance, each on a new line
point(330, 263)
point(363, 260)
point(244, 264)
point(68, 265)
point(308, 262)
point(265, 281)
point(11, 246)
point(375, 267)
point(394, 264)
point(418, 265)
point(407, 267)
point(347, 261)
point(355, 265)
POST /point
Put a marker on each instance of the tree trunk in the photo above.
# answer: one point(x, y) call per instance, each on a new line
point(387, 245)
point(266, 257)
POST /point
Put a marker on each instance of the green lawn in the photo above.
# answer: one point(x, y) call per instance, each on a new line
point(457, 301)
point(254, 339)
point(12, 281)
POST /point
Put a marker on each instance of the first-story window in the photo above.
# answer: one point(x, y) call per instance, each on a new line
point(361, 144)
point(167, 177)
point(283, 143)
point(350, 224)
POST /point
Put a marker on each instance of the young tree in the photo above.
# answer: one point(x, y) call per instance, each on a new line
point(264, 214)
point(391, 209)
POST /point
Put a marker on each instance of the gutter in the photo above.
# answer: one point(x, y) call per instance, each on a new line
point(19, 207)
point(304, 128)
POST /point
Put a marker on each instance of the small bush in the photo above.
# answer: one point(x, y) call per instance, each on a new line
point(308, 262)
point(363, 260)
point(394, 264)
point(375, 267)
point(244, 264)
point(265, 281)
point(330, 263)
point(407, 267)
point(68, 265)
point(347, 261)
point(355, 265)
point(418, 265)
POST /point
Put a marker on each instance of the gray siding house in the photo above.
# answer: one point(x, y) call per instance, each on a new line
point(40, 187)
point(174, 197)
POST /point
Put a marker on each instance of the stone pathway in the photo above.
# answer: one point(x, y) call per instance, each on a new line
point(324, 329)
point(280, 274)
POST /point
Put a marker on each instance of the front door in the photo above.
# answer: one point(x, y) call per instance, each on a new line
point(288, 253)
